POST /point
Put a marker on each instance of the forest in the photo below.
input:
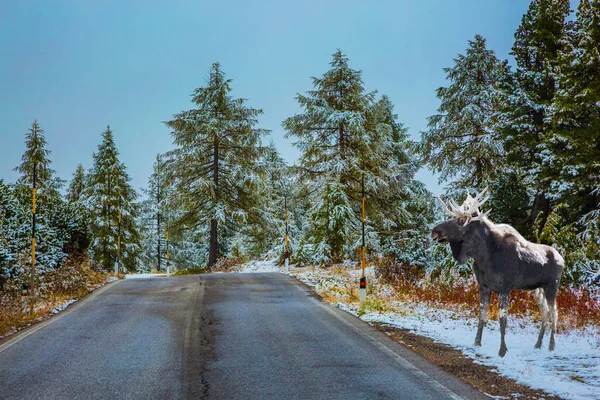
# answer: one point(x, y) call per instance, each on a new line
point(528, 129)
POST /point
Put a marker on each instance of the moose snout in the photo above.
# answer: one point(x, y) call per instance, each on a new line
point(437, 235)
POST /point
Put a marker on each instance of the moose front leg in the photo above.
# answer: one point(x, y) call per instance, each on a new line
point(503, 300)
point(484, 304)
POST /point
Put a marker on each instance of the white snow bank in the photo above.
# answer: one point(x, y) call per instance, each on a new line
point(260, 266)
point(58, 308)
point(572, 371)
point(143, 276)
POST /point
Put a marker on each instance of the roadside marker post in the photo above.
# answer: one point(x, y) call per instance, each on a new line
point(167, 255)
point(363, 279)
point(33, 212)
point(118, 264)
point(287, 241)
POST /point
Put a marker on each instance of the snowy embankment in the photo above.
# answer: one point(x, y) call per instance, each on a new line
point(143, 276)
point(572, 371)
point(261, 266)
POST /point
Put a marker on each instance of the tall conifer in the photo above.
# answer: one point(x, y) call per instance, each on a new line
point(214, 162)
point(108, 194)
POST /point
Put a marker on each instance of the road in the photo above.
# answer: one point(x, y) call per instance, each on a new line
point(220, 336)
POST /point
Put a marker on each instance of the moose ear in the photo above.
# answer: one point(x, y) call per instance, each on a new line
point(458, 252)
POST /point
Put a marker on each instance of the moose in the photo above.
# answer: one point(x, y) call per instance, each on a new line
point(503, 261)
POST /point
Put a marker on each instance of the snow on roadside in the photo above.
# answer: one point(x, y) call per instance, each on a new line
point(572, 371)
point(260, 266)
point(143, 276)
point(59, 307)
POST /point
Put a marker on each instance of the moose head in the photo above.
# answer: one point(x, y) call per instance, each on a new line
point(455, 230)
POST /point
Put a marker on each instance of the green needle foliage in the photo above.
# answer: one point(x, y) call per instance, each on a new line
point(107, 194)
point(36, 153)
point(462, 141)
point(214, 164)
point(345, 133)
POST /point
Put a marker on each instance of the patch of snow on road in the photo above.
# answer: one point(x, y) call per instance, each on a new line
point(572, 371)
point(260, 266)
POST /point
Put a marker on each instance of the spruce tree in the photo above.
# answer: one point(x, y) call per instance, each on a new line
point(263, 228)
point(576, 109)
point(341, 138)
point(111, 201)
point(36, 153)
point(462, 141)
point(539, 40)
point(77, 185)
point(156, 214)
point(214, 162)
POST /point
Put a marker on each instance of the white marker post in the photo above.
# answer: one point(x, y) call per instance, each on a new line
point(168, 264)
point(287, 252)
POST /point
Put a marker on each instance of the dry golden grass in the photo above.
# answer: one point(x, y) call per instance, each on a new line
point(72, 281)
point(577, 307)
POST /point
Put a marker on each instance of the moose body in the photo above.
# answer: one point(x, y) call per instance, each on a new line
point(503, 261)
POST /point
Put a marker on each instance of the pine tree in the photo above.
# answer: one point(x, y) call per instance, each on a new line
point(36, 153)
point(576, 109)
point(462, 140)
point(342, 135)
point(77, 185)
point(391, 211)
point(265, 227)
point(15, 234)
point(111, 201)
point(214, 162)
point(540, 38)
point(156, 213)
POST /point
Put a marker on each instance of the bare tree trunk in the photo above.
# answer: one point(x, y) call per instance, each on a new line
point(540, 205)
point(212, 254)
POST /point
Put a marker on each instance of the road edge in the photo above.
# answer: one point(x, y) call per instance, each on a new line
point(445, 382)
point(11, 340)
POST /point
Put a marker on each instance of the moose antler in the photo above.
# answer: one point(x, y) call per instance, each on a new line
point(469, 208)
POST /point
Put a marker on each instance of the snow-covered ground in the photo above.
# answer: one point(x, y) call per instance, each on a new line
point(261, 266)
point(143, 276)
point(572, 371)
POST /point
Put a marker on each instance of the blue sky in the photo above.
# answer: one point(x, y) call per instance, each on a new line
point(77, 66)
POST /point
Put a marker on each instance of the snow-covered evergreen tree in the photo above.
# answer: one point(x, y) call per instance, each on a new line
point(576, 108)
point(36, 153)
point(214, 163)
point(15, 235)
point(111, 201)
point(343, 134)
point(265, 231)
point(462, 141)
point(77, 185)
point(541, 37)
point(156, 216)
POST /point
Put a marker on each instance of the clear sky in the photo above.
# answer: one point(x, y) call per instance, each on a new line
point(77, 66)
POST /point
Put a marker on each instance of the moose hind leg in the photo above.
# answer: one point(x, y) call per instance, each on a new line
point(503, 302)
point(551, 300)
point(541, 300)
point(484, 304)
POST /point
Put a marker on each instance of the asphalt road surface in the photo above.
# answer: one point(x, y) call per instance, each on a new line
point(221, 336)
